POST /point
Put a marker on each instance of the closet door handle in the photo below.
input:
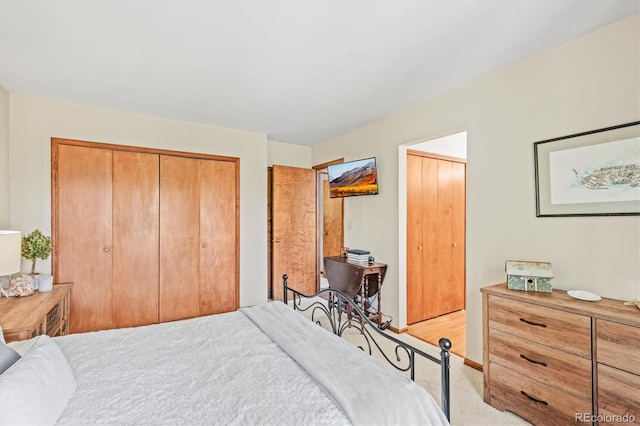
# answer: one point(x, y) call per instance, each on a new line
point(276, 241)
point(419, 247)
point(204, 245)
point(106, 249)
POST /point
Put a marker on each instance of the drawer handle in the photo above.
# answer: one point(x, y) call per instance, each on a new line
point(533, 323)
point(539, 401)
point(533, 361)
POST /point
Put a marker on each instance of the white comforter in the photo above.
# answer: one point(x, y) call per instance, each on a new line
point(224, 370)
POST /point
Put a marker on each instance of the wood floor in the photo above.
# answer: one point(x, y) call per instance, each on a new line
point(452, 326)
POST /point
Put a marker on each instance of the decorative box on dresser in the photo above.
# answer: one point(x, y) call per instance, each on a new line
point(40, 313)
point(553, 359)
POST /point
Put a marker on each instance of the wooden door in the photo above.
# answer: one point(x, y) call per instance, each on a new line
point(458, 239)
point(294, 229)
point(332, 222)
point(82, 232)
point(435, 237)
point(179, 238)
point(136, 219)
point(414, 239)
point(269, 233)
point(218, 237)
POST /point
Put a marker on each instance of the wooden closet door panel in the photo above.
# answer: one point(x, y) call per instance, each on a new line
point(218, 237)
point(84, 234)
point(294, 229)
point(442, 285)
point(430, 238)
point(136, 216)
point(414, 239)
point(179, 238)
point(458, 278)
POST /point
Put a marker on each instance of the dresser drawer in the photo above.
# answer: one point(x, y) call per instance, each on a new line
point(533, 400)
point(618, 395)
point(618, 345)
point(558, 329)
point(551, 366)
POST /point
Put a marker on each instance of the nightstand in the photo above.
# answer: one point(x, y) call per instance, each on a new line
point(41, 313)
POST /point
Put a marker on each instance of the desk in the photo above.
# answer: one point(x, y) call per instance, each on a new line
point(353, 279)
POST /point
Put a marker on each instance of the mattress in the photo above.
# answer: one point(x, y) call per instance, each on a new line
point(261, 365)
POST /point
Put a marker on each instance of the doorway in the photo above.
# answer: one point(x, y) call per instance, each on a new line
point(435, 239)
point(330, 221)
point(300, 210)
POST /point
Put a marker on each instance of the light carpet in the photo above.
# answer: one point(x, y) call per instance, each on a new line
point(466, 404)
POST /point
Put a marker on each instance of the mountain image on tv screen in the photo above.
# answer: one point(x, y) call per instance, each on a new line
point(358, 177)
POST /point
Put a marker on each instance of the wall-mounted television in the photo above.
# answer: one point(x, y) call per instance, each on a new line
point(359, 177)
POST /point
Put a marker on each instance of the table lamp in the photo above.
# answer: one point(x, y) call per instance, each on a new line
point(10, 254)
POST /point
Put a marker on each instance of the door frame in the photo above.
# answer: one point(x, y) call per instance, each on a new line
point(402, 216)
point(436, 156)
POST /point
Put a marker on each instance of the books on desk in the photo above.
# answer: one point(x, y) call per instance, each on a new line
point(360, 256)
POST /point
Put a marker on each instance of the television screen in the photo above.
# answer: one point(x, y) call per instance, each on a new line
point(358, 177)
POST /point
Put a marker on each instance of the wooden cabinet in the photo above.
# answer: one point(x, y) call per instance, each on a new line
point(41, 313)
point(435, 236)
point(146, 235)
point(550, 358)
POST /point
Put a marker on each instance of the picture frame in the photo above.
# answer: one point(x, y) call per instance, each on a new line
point(594, 173)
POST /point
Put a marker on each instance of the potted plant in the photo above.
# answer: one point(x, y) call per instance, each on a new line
point(38, 246)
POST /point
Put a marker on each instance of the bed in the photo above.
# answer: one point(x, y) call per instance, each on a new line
point(265, 364)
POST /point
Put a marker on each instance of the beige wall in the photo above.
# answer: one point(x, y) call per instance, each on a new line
point(286, 154)
point(589, 83)
point(35, 120)
point(4, 159)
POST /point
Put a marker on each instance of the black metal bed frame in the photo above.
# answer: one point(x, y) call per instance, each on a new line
point(339, 303)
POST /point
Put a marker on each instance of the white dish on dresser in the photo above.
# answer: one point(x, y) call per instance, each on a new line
point(584, 295)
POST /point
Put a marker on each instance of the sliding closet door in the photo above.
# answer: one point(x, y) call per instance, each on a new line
point(435, 236)
point(198, 237)
point(136, 219)
point(83, 235)
point(415, 245)
point(218, 237)
point(179, 238)
point(458, 237)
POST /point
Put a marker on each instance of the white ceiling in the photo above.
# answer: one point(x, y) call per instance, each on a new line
point(299, 71)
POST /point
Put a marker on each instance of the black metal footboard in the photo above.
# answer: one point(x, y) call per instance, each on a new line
point(344, 314)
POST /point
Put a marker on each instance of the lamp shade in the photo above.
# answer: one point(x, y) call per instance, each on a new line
point(10, 252)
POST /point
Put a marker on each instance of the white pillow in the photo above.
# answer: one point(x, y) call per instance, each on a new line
point(23, 346)
point(36, 389)
point(2, 335)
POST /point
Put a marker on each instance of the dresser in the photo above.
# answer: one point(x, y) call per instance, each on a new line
point(41, 313)
point(555, 360)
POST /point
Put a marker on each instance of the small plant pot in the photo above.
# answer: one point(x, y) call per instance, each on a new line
point(45, 283)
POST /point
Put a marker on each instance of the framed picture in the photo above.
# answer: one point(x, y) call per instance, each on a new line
point(595, 173)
